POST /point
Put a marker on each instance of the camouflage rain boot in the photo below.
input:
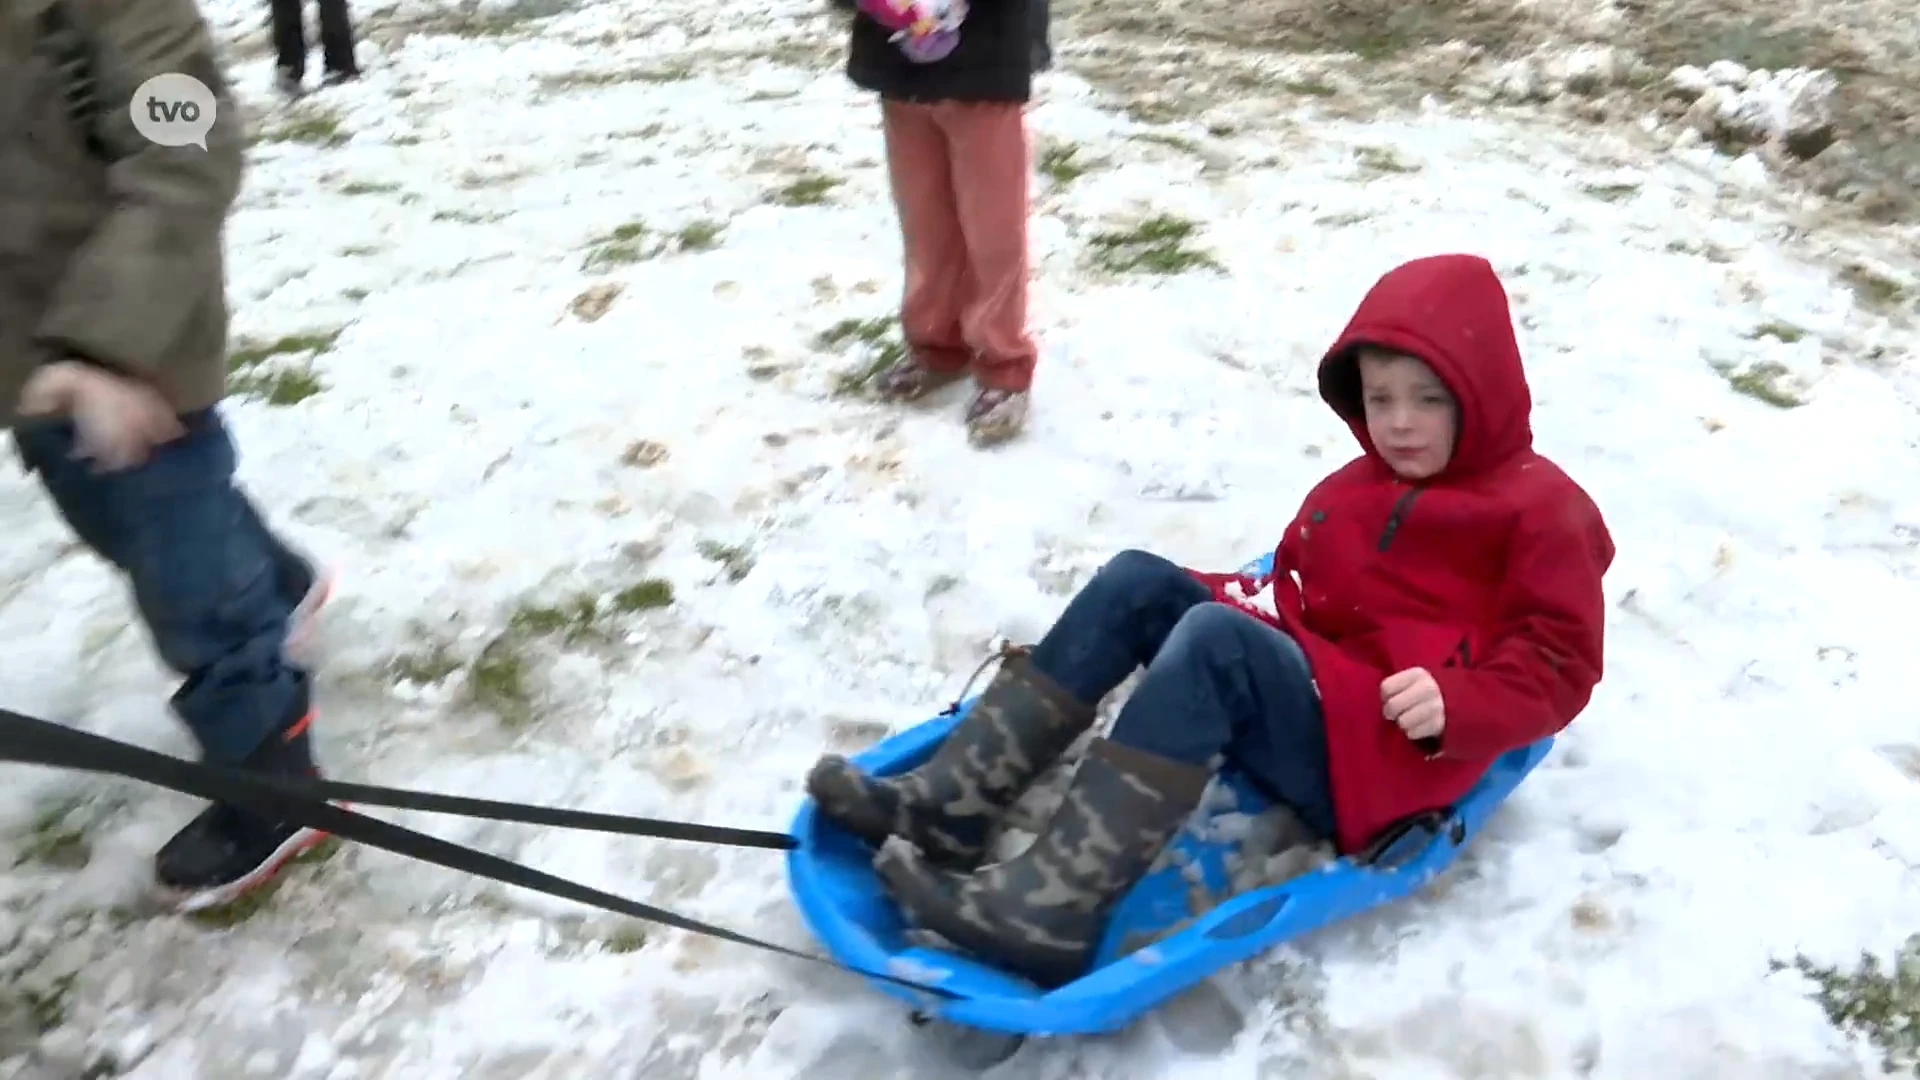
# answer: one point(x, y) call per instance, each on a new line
point(1020, 725)
point(1041, 913)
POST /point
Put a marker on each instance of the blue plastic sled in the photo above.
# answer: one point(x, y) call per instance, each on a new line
point(842, 901)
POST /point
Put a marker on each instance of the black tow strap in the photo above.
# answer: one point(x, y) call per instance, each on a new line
point(32, 741)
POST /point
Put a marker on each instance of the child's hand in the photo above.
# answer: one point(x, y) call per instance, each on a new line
point(1411, 699)
point(117, 421)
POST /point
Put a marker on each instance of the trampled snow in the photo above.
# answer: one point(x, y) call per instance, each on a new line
point(1745, 785)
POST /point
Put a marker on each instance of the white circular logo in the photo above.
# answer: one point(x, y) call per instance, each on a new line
point(173, 110)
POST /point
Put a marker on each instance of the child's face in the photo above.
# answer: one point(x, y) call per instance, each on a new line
point(1410, 414)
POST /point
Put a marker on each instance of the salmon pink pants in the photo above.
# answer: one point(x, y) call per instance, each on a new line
point(959, 174)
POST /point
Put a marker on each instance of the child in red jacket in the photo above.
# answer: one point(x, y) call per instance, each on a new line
point(1438, 603)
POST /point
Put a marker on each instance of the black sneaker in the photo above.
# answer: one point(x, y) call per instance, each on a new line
point(227, 851)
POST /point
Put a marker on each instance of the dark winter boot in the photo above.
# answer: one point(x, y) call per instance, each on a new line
point(996, 415)
point(1020, 725)
point(911, 378)
point(228, 851)
point(1041, 914)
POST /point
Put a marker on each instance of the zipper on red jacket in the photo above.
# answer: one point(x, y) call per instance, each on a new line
point(1394, 518)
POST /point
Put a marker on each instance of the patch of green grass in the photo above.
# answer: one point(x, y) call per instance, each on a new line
point(250, 353)
point(279, 387)
point(368, 187)
point(480, 179)
point(703, 235)
point(1612, 192)
point(1155, 110)
point(46, 1006)
point(579, 79)
point(737, 560)
point(1753, 45)
point(469, 23)
point(1158, 245)
point(629, 938)
point(809, 190)
point(628, 243)
point(1172, 142)
point(465, 217)
point(500, 680)
point(877, 339)
point(1878, 1003)
point(572, 620)
point(583, 617)
point(310, 127)
point(254, 901)
point(1765, 381)
point(1383, 160)
point(56, 838)
point(1778, 331)
point(250, 376)
point(1309, 87)
point(1062, 163)
point(648, 595)
point(872, 331)
point(425, 667)
point(1873, 287)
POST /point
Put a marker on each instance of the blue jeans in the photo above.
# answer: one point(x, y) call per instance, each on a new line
point(1218, 680)
point(213, 584)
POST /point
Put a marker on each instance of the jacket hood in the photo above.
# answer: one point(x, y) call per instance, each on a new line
point(1451, 312)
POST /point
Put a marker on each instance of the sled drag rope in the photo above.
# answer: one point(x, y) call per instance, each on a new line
point(32, 741)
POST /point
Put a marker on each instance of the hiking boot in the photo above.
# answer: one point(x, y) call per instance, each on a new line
point(288, 83)
point(227, 851)
point(912, 377)
point(1019, 726)
point(1041, 914)
point(996, 415)
point(337, 76)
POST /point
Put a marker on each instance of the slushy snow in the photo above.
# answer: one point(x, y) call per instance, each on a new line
point(1745, 786)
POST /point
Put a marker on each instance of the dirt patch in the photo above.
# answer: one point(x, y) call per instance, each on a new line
point(1871, 46)
point(1175, 60)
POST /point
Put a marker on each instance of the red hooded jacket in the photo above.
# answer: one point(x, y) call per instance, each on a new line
point(1487, 575)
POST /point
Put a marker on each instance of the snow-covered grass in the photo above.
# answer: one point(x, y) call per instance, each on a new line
point(557, 317)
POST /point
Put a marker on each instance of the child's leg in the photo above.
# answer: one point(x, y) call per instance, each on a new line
point(934, 250)
point(1217, 679)
point(1116, 623)
point(990, 175)
point(304, 586)
point(206, 582)
point(289, 37)
point(1227, 683)
point(294, 575)
point(1030, 714)
point(46, 450)
point(336, 38)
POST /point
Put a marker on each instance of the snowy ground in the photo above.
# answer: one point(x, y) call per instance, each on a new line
point(1745, 785)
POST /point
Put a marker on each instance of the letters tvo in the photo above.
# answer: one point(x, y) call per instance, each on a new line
point(164, 112)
